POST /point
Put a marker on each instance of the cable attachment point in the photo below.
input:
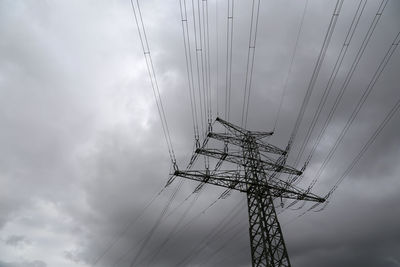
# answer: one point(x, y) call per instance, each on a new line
point(175, 166)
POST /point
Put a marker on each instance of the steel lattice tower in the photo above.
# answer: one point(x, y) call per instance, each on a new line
point(255, 175)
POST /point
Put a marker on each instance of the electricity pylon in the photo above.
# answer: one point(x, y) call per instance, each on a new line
point(256, 174)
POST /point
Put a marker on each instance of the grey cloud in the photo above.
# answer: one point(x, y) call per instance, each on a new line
point(80, 131)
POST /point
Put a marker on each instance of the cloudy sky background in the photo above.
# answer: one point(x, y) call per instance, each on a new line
point(82, 150)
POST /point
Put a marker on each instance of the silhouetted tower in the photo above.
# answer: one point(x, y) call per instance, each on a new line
point(256, 175)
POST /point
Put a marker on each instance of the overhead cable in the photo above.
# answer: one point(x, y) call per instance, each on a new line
point(316, 70)
point(206, 240)
point(199, 67)
point(255, 10)
point(207, 64)
point(346, 82)
point(126, 228)
point(291, 66)
point(370, 141)
point(229, 43)
point(236, 229)
point(150, 234)
point(153, 256)
point(189, 68)
point(217, 57)
point(359, 105)
point(153, 78)
point(337, 66)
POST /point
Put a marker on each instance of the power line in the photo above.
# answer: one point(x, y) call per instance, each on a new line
point(200, 75)
point(175, 228)
point(370, 141)
point(124, 255)
point(236, 231)
point(147, 237)
point(346, 82)
point(155, 226)
point(229, 42)
point(228, 257)
point(199, 214)
point(217, 55)
point(190, 222)
point(126, 228)
point(153, 78)
point(172, 232)
point(372, 138)
point(361, 102)
point(197, 190)
point(207, 239)
point(179, 205)
point(316, 70)
point(200, 49)
point(221, 229)
point(154, 83)
point(207, 60)
point(250, 60)
point(188, 57)
point(359, 105)
point(337, 66)
point(291, 65)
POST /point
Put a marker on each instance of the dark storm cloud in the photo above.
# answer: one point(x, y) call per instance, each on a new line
point(83, 152)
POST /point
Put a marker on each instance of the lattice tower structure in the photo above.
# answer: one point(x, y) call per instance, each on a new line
point(255, 173)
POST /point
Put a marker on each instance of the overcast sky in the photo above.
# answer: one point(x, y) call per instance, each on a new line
point(82, 150)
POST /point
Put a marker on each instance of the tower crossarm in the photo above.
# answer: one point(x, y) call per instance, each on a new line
point(239, 141)
point(231, 127)
point(233, 179)
point(236, 130)
point(237, 158)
